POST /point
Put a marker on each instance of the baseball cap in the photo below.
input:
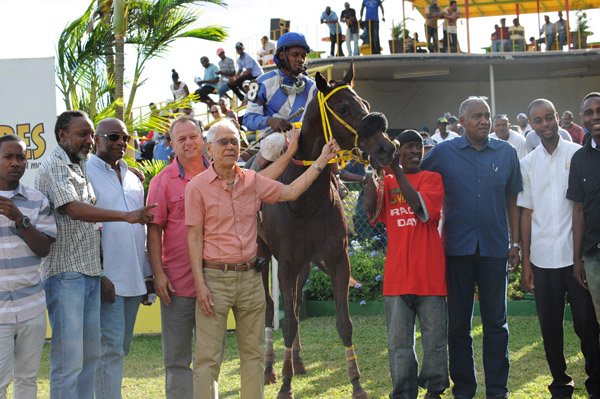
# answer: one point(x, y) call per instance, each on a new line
point(452, 119)
point(429, 142)
point(409, 136)
point(442, 120)
point(239, 45)
point(220, 51)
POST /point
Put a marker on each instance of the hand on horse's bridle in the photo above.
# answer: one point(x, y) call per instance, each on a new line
point(279, 124)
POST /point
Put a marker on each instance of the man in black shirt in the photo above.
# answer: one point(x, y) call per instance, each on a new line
point(348, 16)
point(584, 190)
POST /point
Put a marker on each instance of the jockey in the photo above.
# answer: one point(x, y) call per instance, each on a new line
point(278, 94)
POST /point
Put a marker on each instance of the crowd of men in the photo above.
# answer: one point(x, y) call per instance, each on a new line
point(500, 208)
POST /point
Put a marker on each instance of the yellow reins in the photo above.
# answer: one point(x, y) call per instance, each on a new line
point(343, 156)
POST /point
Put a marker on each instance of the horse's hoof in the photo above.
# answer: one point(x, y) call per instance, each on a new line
point(299, 368)
point(270, 378)
point(360, 394)
point(285, 395)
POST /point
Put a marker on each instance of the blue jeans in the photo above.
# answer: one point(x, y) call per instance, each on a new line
point(400, 315)
point(73, 301)
point(117, 321)
point(490, 276)
point(591, 265)
point(352, 38)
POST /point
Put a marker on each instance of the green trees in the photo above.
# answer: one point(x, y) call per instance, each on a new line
point(90, 55)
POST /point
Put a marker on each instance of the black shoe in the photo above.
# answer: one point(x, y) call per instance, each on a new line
point(432, 395)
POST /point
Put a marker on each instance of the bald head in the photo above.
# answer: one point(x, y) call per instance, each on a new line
point(109, 125)
point(538, 102)
point(111, 140)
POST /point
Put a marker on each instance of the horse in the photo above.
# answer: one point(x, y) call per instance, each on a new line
point(313, 228)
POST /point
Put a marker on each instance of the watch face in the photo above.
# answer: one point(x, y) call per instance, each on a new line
point(25, 222)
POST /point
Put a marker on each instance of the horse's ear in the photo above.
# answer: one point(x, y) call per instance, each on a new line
point(322, 84)
point(349, 77)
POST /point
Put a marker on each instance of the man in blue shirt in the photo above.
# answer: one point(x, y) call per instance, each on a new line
point(207, 85)
point(247, 69)
point(481, 179)
point(372, 19)
point(279, 94)
point(335, 32)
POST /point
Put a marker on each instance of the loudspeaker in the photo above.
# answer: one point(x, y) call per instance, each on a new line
point(278, 27)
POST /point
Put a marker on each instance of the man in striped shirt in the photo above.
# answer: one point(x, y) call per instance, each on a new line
point(27, 229)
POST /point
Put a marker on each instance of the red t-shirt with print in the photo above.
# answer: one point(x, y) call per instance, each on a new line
point(415, 261)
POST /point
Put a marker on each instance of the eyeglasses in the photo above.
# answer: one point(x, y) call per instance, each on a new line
point(225, 141)
point(116, 137)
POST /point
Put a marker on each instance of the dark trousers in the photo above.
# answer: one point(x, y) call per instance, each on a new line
point(203, 93)
point(373, 28)
point(551, 286)
point(490, 276)
point(433, 42)
point(450, 40)
point(237, 87)
point(336, 39)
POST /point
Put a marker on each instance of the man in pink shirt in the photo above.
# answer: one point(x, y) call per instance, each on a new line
point(221, 206)
point(168, 252)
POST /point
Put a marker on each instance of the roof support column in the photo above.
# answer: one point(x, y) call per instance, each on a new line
point(492, 90)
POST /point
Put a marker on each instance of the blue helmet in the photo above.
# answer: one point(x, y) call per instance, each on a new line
point(287, 40)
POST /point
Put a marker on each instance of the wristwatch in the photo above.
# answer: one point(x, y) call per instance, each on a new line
point(515, 245)
point(24, 223)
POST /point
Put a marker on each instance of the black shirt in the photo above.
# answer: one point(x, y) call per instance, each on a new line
point(584, 187)
point(349, 16)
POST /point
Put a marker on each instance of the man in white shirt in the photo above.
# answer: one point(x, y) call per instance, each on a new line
point(502, 132)
point(123, 253)
point(533, 139)
point(547, 257)
point(442, 133)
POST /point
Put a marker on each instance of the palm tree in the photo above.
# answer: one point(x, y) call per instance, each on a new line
point(91, 50)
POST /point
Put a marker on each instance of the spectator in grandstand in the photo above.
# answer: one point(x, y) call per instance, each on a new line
point(450, 30)
point(517, 36)
point(247, 69)
point(561, 30)
point(348, 16)
point(433, 13)
point(501, 34)
point(180, 91)
point(226, 71)
point(266, 51)
point(372, 22)
point(214, 112)
point(548, 30)
point(335, 31)
point(209, 83)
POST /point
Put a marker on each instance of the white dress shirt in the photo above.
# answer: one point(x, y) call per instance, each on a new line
point(123, 244)
point(545, 182)
point(438, 137)
point(516, 140)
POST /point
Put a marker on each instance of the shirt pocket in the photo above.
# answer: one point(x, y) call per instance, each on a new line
point(177, 205)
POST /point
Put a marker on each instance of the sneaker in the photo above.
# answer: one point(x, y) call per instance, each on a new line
point(432, 395)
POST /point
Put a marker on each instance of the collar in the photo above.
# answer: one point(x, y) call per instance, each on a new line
point(20, 192)
point(557, 150)
point(462, 143)
point(212, 174)
point(175, 169)
point(95, 159)
point(593, 144)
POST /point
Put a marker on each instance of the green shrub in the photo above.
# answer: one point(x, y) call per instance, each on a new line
point(366, 261)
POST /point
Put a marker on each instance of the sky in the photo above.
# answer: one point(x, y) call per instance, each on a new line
point(30, 29)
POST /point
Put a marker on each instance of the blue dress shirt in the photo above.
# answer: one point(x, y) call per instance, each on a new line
point(475, 185)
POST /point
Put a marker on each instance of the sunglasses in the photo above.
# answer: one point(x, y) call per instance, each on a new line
point(225, 141)
point(116, 137)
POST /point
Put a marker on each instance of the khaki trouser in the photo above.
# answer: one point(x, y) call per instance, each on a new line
point(242, 292)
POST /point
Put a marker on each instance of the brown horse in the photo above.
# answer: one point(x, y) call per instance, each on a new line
point(313, 228)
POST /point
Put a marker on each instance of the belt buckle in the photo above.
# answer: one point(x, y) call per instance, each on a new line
point(226, 267)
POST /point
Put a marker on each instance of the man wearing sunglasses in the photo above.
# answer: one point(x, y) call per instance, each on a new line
point(220, 211)
point(72, 269)
point(277, 95)
point(123, 253)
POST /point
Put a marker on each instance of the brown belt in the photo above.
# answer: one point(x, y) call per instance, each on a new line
point(234, 267)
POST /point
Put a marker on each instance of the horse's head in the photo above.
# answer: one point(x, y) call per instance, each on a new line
point(346, 111)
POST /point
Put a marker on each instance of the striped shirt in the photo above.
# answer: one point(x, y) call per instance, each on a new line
point(77, 246)
point(21, 291)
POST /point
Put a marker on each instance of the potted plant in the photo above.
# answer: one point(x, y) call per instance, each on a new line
point(579, 36)
point(399, 32)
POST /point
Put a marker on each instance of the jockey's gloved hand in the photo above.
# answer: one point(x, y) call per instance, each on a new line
point(279, 124)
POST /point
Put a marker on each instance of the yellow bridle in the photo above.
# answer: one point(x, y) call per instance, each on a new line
point(343, 156)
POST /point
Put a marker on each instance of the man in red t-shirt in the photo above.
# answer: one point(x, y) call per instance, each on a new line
point(414, 282)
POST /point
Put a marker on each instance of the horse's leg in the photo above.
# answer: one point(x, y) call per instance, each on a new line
point(297, 346)
point(270, 376)
point(288, 277)
point(339, 268)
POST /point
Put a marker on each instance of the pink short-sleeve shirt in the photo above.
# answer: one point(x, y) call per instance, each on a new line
point(228, 218)
point(167, 190)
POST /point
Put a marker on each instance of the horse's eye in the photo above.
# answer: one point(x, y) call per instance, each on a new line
point(343, 110)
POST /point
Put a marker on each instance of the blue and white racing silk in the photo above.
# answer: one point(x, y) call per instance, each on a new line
point(271, 101)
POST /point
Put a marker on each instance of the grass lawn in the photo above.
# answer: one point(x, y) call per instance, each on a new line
point(324, 358)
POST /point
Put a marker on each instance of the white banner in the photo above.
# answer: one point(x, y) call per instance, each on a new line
point(28, 107)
